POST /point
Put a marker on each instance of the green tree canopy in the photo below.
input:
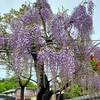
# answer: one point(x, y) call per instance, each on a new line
point(12, 83)
point(2, 87)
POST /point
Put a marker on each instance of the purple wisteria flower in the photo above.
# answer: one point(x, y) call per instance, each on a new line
point(97, 81)
point(90, 7)
point(81, 20)
point(2, 41)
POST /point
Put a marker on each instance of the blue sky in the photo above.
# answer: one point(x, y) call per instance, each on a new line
point(6, 5)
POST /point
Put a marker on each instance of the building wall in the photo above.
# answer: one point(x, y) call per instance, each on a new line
point(17, 93)
point(29, 93)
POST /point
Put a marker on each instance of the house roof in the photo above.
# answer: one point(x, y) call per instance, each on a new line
point(28, 88)
point(14, 90)
point(9, 91)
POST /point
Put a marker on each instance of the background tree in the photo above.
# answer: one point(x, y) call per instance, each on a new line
point(12, 83)
point(2, 87)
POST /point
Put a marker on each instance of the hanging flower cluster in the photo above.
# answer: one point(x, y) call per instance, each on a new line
point(61, 61)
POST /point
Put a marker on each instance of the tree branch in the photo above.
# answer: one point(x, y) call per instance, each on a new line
point(65, 86)
point(43, 22)
point(30, 79)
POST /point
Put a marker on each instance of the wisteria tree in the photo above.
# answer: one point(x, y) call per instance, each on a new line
point(60, 45)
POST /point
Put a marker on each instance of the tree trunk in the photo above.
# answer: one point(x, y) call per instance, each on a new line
point(42, 80)
point(23, 87)
point(44, 92)
point(22, 93)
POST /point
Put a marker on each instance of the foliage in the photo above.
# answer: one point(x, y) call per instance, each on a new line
point(2, 87)
point(95, 60)
point(93, 64)
point(3, 26)
point(30, 84)
point(13, 14)
point(74, 91)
